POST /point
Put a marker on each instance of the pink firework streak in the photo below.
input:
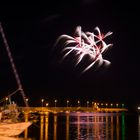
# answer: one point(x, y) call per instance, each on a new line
point(86, 43)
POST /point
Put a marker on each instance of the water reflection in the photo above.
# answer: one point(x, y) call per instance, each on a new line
point(112, 127)
point(41, 126)
point(55, 127)
point(81, 126)
point(117, 127)
point(139, 126)
point(123, 126)
point(96, 126)
point(67, 126)
point(46, 126)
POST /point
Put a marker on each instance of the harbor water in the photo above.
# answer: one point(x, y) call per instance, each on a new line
point(84, 126)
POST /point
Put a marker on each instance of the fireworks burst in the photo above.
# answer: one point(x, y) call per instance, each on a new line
point(86, 43)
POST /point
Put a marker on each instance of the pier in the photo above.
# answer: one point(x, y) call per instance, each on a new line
point(68, 109)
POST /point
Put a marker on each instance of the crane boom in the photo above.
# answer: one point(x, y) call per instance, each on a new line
point(13, 65)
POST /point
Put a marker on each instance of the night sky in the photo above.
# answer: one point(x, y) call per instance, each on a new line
point(32, 29)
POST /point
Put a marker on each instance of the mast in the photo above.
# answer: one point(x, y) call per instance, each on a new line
point(13, 65)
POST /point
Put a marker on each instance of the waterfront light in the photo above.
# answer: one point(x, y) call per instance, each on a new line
point(67, 103)
point(122, 105)
point(6, 99)
point(138, 107)
point(111, 105)
point(87, 103)
point(117, 105)
point(47, 104)
point(78, 103)
point(42, 101)
point(55, 101)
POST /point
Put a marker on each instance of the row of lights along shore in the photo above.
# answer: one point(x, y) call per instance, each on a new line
point(46, 104)
point(78, 104)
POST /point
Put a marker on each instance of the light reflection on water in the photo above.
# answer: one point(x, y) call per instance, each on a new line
point(97, 126)
point(139, 126)
point(82, 126)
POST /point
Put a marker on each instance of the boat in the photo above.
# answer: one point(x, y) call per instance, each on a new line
point(10, 122)
point(13, 129)
point(9, 138)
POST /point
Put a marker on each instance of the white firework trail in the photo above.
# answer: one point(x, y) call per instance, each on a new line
point(87, 43)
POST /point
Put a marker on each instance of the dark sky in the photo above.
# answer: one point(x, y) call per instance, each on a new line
point(31, 30)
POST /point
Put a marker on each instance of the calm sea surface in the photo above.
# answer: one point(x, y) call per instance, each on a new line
point(85, 126)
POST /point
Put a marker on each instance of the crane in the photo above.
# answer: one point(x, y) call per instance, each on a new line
point(20, 88)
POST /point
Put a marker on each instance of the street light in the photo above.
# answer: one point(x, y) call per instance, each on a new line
point(47, 104)
point(67, 103)
point(122, 105)
point(27, 99)
point(87, 103)
point(42, 101)
point(55, 101)
point(78, 103)
point(6, 99)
